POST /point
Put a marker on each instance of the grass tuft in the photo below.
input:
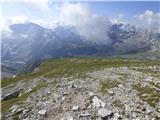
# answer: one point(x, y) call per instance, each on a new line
point(108, 84)
point(151, 94)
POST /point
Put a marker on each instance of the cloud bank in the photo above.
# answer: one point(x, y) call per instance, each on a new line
point(149, 19)
point(91, 26)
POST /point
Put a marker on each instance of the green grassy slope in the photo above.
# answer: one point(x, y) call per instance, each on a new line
point(72, 66)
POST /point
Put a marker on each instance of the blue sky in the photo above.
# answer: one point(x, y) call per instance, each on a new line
point(47, 12)
point(127, 8)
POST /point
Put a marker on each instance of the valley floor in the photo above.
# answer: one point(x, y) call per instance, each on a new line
point(99, 89)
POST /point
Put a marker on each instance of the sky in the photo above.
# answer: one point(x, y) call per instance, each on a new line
point(125, 7)
point(50, 13)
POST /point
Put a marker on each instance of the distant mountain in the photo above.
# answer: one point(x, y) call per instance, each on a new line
point(129, 39)
point(30, 42)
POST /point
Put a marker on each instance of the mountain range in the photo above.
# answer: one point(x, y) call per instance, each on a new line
point(29, 42)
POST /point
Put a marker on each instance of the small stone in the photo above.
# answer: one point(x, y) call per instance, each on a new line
point(29, 90)
point(120, 85)
point(96, 102)
point(57, 86)
point(72, 86)
point(14, 76)
point(85, 114)
point(63, 98)
point(143, 109)
point(117, 117)
point(14, 108)
point(75, 108)
point(91, 93)
point(65, 93)
point(43, 113)
point(136, 119)
point(134, 115)
point(24, 113)
point(149, 110)
point(20, 95)
point(20, 110)
point(110, 92)
point(104, 113)
point(49, 92)
point(144, 95)
point(69, 118)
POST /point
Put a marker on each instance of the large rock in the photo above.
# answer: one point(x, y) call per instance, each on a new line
point(104, 113)
point(96, 102)
point(11, 95)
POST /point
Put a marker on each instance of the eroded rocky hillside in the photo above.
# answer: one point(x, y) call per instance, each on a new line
point(85, 89)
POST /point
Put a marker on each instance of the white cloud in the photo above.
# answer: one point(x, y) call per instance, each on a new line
point(4, 24)
point(149, 16)
point(73, 14)
point(6, 21)
point(92, 27)
point(119, 19)
point(149, 19)
point(24, 1)
point(43, 7)
point(19, 19)
point(44, 1)
point(38, 11)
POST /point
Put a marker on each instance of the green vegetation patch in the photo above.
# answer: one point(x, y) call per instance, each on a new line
point(150, 72)
point(71, 66)
point(28, 76)
point(147, 94)
point(108, 84)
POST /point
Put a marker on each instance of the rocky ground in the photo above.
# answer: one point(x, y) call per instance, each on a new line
point(115, 93)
